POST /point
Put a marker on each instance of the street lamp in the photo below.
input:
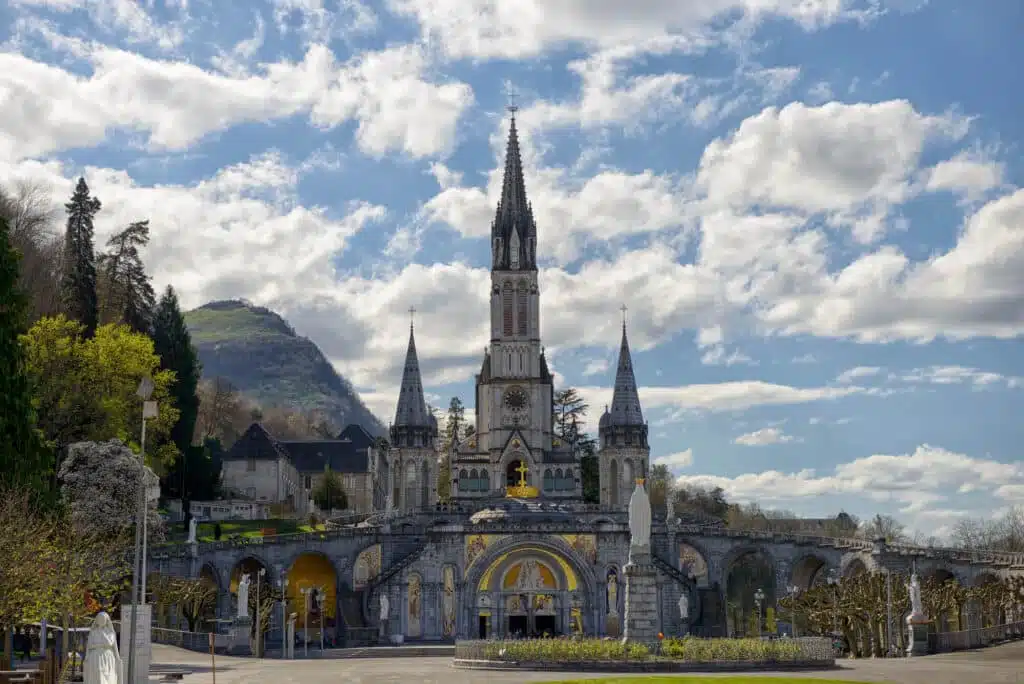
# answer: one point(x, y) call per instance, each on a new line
point(149, 410)
point(833, 581)
point(305, 620)
point(759, 601)
point(320, 607)
point(793, 591)
point(284, 615)
point(259, 622)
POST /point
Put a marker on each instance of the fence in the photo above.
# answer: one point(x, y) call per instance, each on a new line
point(193, 641)
point(944, 642)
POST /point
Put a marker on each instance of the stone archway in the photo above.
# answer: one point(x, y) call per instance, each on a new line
point(808, 571)
point(209, 576)
point(750, 570)
point(980, 612)
point(693, 563)
point(312, 583)
point(855, 566)
point(541, 583)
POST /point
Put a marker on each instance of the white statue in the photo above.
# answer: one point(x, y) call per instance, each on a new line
point(385, 607)
point(639, 517)
point(916, 609)
point(102, 660)
point(192, 530)
point(684, 606)
point(670, 506)
point(243, 596)
point(613, 595)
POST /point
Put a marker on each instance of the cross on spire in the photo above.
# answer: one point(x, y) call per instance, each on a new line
point(412, 316)
point(510, 94)
point(624, 310)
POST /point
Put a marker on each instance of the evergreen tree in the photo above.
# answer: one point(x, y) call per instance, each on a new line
point(173, 344)
point(569, 411)
point(78, 283)
point(25, 462)
point(328, 495)
point(129, 296)
point(453, 428)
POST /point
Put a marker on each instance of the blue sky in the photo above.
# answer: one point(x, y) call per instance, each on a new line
point(812, 210)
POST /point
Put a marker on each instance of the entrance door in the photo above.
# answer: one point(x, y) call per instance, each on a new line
point(482, 626)
point(545, 623)
point(518, 625)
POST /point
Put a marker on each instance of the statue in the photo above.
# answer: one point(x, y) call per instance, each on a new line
point(613, 595)
point(385, 607)
point(639, 517)
point(102, 660)
point(670, 506)
point(192, 530)
point(684, 606)
point(243, 596)
point(916, 609)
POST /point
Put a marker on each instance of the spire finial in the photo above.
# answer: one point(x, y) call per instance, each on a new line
point(624, 310)
point(412, 317)
point(510, 94)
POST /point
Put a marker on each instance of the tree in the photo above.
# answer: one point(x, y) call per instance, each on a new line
point(568, 414)
point(222, 412)
point(85, 389)
point(659, 487)
point(329, 495)
point(78, 283)
point(203, 470)
point(454, 428)
point(999, 534)
point(100, 483)
point(30, 217)
point(128, 295)
point(25, 462)
point(884, 527)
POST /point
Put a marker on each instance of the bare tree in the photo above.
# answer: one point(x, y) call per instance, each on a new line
point(31, 216)
point(884, 527)
point(222, 411)
point(992, 534)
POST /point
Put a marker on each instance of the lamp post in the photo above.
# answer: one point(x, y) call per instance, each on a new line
point(259, 623)
point(759, 601)
point(793, 591)
point(284, 616)
point(320, 607)
point(833, 581)
point(149, 410)
point(305, 620)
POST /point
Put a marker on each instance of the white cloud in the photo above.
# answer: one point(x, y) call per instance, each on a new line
point(926, 478)
point(128, 17)
point(524, 28)
point(718, 355)
point(763, 437)
point(595, 367)
point(676, 461)
point(176, 104)
point(804, 358)
point(966, 174)
point(852, 374)
point(958, 375)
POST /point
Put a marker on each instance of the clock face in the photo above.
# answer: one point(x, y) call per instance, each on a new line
point(516, 399)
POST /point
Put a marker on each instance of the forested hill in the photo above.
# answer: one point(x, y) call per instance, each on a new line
point(262, 356)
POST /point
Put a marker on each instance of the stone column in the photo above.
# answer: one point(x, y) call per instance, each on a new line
point(641, 598)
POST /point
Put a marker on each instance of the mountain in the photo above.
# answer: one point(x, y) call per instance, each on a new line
point(261, 355)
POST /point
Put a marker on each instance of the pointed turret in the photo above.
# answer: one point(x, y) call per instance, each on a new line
point(514, 232)
point(412, 407)
point(626, 399)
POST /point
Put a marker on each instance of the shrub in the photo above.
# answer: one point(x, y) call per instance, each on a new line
point(733, 650)
point(564, 650)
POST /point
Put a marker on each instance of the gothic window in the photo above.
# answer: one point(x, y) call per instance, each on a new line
point(558, 479)
point(522, 316)
point(424, 484)
point(464, 482)
point(627, 469)
point(507, 303)
point(613, 483)
point(513, 250)
point(569, 484)
point(409, 501)
point(548, 485)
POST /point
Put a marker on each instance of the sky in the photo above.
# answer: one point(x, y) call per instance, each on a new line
point(812, 209)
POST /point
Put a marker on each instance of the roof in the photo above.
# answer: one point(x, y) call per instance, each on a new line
point(349, 455)
point(360, 438)
point(625, 408)
point(412, 405)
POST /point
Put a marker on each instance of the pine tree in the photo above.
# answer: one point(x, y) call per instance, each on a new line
point(129, 296)
point(78, 283)
point(173, 344)
point(25, 462)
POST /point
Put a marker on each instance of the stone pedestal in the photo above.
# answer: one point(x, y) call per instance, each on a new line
point(143, 642)
point(612, 626)
point(382, 629)
point(240, 644)
point(641, 598)
point(290, 640)
point(917, 635)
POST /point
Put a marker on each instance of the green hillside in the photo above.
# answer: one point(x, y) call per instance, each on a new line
point(262, 356)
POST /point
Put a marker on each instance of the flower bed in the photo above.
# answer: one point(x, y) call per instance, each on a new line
point(671, 655)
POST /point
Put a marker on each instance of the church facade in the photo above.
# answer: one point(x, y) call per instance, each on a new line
point(518, 551)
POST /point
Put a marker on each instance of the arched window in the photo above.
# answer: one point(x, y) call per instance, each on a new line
point(548, 483)
point(484, 483)
point(464, 483)
point(558, 479)
point(507, 304)
point(522, 316)
point(630, 475)
point(513, 250)
point(410, 486)
point(569, 483)
point(613, 483)
point(424, 484)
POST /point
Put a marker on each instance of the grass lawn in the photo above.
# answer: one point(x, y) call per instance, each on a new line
point(241, 528)
point(697, 679)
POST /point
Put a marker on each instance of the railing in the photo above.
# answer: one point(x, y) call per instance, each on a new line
point(944, 642)
point(192, 641)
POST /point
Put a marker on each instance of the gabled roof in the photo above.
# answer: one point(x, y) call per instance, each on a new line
point(625, 408)
point(255, 443)
point(360, 438)
point(313, 456)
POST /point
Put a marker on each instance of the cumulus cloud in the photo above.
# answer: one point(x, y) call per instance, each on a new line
point(763, 437)
point(676, 461)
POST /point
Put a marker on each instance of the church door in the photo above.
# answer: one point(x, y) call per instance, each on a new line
point(516, 472)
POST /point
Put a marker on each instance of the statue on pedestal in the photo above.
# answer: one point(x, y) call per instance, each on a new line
point(102, 660)
point(916, 607)
point(192, 530)
point(684, 606)
point(613, 595)
point(639, 517)
point(243, 596)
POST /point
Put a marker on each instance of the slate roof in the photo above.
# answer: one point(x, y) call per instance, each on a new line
point(347, 454)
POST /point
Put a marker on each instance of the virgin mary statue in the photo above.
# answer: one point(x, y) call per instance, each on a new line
point(102, 661)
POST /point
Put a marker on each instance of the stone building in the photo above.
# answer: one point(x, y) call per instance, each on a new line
point(260, 467)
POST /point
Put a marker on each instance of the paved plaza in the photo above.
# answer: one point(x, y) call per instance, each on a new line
point(997, 665)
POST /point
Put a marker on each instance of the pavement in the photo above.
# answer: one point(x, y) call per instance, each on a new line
point(995, 665)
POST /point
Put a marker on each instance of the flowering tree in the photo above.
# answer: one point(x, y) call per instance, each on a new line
point(100, 480)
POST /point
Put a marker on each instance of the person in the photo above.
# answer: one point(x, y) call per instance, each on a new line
point(102, 660)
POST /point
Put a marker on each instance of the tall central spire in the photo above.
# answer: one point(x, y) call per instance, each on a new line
point(513, 233)
point(412, 406)
point(626, 398)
